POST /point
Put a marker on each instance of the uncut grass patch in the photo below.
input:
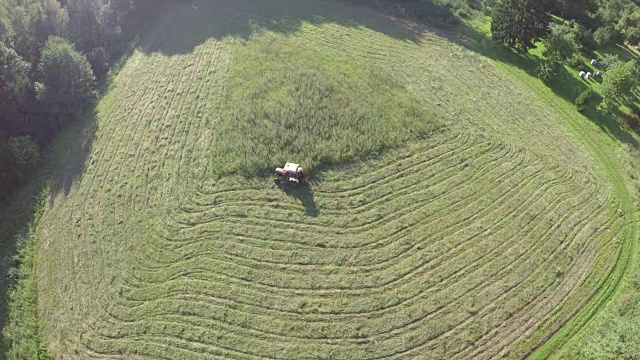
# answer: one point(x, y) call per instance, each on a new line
point(289, 102)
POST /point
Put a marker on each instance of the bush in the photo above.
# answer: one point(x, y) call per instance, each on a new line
point(583, 99)
point(586, 39)
point(607, 35)
point(559, 43)
point(575, 61)
point(18, 157)
point(618, 81)
point(98, 60)
point(549, 69)
point(632, 35)
point(610, 60)
point(621, 340)
point(438, 11)
point(633, 120)
point(459, 8)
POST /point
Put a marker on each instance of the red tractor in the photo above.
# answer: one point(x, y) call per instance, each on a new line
point(292, 175)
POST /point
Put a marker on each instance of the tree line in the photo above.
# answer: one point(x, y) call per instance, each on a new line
point(52, 55)
point(597, 23)
point(587, 25)
point(579, 26)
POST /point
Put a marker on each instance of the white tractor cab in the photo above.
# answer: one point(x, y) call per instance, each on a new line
point(292, 174)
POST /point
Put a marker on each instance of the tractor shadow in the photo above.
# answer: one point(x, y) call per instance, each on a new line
point(304, 196)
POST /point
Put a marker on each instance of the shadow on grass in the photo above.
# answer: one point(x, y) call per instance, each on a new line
point(623, 52)
point(70, 153)
point(185, 26)
point(565, 86)
point(16, 215)
point(304, 195)
point(62, 163)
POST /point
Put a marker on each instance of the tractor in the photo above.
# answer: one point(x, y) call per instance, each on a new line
point(292, 175)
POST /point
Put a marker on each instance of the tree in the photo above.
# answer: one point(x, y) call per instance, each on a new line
point(620, 341)
point(608, 35)
point(93, 24)
point(67, 82)
point(609, 60)
point(575, 9)
point(33, 22)
point(559, 45)
point(519, 23)
point(632, 35)
point(18, 157)
point(618, 81)
point(628, 24)
point(6, 31)
point(620, 19)
point(611, 11)
point(24, 153)
point(15, 88)
point(586, 40)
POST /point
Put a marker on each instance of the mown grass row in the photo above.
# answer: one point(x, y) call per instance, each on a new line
point(156, 261)
point(598, 144)
point(479, 216)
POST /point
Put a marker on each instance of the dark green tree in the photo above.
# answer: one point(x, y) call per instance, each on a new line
point(632, 35)
point(608, 35)
point(585, 39)
point(611, 11)
point(6, 31)
point(559, 46)
point(18, 157)
point(575, 9)
point(66, 84)
point(610, 60)
point(95, 31)
point(15, 90)
point(617, 83)
point(33, 22)
point(519, 23)
point(560, 43)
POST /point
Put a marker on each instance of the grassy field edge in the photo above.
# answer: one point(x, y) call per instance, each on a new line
point(567, 334)
point(23, 333)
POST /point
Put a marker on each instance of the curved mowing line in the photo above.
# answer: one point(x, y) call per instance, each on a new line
point(357, 229)
point(493, 304)
point(574, 261)
point(378, 266)
point(131, 191)
point(412, 171)
point(560, 304)
point(406, 186)
point(387, 237)
point(427, 219)
point(379, 179)
point(364, 204)
point(220, 50)
point(560, 340)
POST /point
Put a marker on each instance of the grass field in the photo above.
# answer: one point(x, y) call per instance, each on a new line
point(458, 207)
